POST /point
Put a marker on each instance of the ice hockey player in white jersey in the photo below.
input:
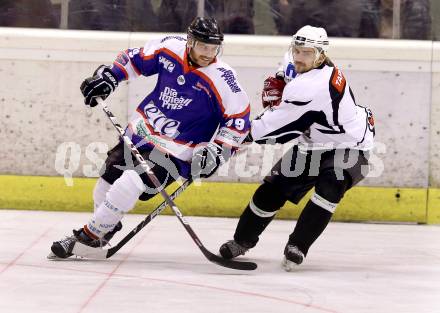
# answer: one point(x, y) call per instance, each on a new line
point(194, 119)
point(333, 136)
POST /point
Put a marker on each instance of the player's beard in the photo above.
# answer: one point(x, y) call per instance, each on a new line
point(200, 60)
point(204, 60)
point(301, 67)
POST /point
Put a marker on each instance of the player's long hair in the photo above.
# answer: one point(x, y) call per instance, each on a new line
point(328, 62)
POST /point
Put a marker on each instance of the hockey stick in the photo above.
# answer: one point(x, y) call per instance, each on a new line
point(209, 255)
point(82, 250)
point(268, 108)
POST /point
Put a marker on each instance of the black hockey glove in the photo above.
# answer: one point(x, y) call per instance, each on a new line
point(102, 84)
point(208, 159)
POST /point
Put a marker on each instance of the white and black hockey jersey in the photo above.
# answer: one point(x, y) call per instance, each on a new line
point(319, 109)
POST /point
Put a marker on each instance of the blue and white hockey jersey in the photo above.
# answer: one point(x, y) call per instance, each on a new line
point(188, 105)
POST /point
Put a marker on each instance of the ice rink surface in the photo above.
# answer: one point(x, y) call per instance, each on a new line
point(352, 268)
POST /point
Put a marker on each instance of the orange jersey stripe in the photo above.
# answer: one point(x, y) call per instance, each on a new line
point(122, 69)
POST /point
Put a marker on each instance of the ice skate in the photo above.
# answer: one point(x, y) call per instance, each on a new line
point(292, 258)
point(232, 249)
point(63, 248)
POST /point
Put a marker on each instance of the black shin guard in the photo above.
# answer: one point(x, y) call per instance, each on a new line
point(266, 200)
point(311, 223)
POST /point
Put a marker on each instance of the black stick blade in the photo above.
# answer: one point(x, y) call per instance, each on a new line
point(236, 265)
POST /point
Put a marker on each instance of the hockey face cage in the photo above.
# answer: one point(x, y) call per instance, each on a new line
point(320, 46)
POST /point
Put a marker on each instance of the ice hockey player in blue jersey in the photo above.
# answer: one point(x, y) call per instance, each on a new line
point(191, 123)
point(313, 104)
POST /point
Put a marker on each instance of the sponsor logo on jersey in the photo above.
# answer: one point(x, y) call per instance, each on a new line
point(162, 124)
point(181, 80)
point(228, 135)
point(173, 37)
point(229, 77)
point(141, 130)
point(171, 100)
point(338, 80)
point(200, 87)
point(167, 64)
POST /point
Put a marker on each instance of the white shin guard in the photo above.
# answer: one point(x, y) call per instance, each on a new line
point(99, 192)
point(120, 198)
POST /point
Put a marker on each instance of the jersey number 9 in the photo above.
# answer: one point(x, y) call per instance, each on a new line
point(238, 123)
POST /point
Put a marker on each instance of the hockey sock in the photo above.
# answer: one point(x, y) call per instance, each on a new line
point(99, 192)
point(311, 223)
point(120, 199)
point(329, 190)
point(261, 210)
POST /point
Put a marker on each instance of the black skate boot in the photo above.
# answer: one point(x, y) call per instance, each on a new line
point(63, 248)
point(232, 249)
point(107, 237)
point(292, 257)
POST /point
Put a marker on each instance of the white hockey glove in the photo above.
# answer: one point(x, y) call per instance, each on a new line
point(102, 84)
point(208, 159)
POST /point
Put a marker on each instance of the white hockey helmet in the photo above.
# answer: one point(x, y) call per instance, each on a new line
point(311, 37)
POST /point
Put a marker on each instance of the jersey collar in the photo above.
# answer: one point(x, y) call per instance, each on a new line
point(188, 66)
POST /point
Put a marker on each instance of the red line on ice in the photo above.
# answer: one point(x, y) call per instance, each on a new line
point(12, 263)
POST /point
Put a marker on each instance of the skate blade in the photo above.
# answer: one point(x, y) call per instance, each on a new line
point(52, 256)
point(289, 266)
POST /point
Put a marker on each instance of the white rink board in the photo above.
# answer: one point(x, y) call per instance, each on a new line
point(353, 268)
point(43, 69)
